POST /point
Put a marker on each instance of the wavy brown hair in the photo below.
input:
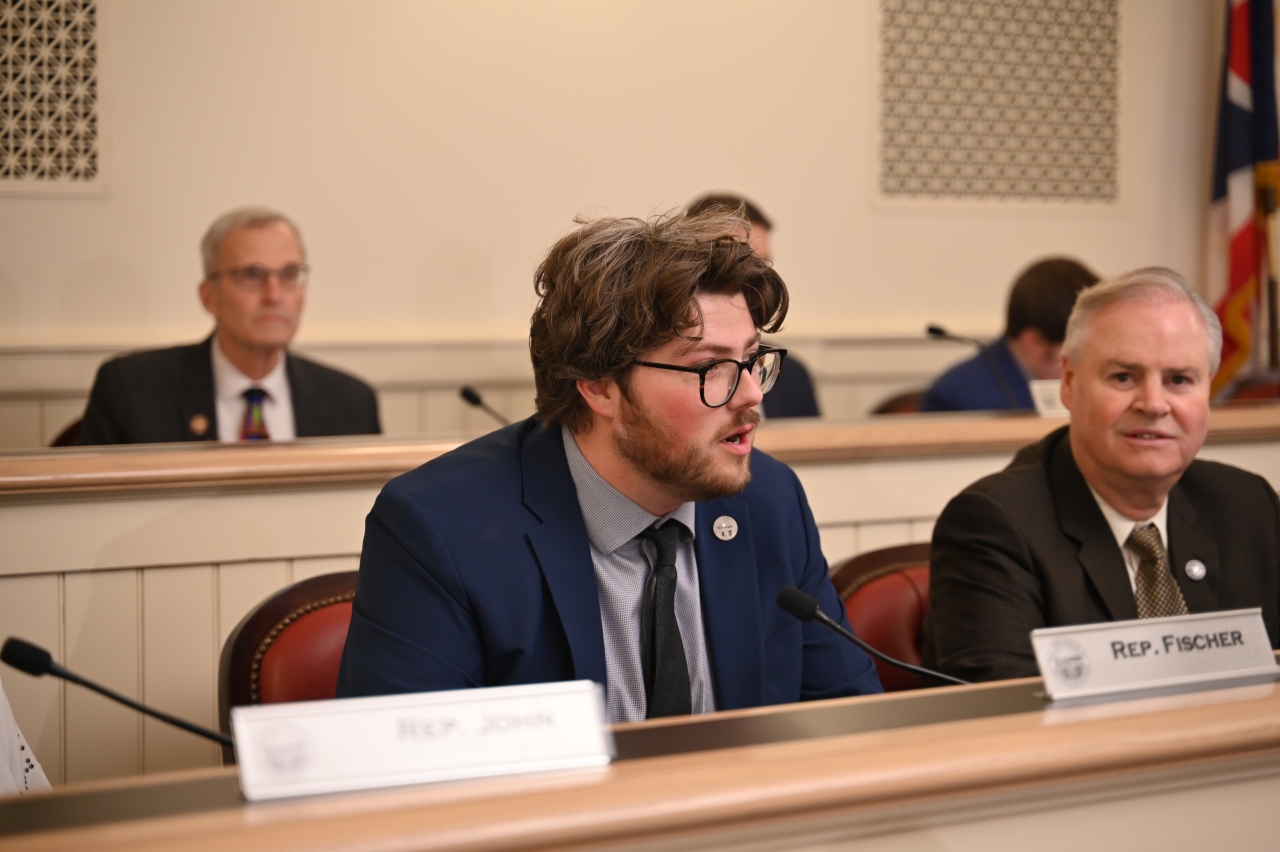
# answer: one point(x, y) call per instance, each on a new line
point(616, 289)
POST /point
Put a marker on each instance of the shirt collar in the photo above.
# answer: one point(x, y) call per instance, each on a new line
point(230, 384)
point(1121, 526)
point(611, 517)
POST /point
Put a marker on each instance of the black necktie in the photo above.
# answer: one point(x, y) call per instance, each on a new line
point(666, 673)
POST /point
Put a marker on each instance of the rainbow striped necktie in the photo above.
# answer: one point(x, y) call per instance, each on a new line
point(255, 427)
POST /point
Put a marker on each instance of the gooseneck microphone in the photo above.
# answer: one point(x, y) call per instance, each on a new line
point(805, 607)
point(472, 396)
point(36, 661)
point(940, 333)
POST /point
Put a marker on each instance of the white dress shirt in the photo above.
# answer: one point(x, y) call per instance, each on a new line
point(613, 521)
point(229, 385)
point(1121, 527)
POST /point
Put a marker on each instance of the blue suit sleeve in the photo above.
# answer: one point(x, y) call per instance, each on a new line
point(411, 627)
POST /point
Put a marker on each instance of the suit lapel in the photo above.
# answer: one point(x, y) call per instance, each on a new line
point(197, 406)
point(1082, 520)
point(303, 397)
point(563, 550)
point(729, 589)
point(1188, 541)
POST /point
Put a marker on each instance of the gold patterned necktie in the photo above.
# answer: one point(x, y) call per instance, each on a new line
point(1155, 589)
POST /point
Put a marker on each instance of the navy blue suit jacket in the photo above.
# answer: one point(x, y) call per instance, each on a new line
point(476, 571)
point(793, 395)
point(972, 385)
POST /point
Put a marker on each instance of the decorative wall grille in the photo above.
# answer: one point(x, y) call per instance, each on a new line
point(49, 133)
point(1011, 100)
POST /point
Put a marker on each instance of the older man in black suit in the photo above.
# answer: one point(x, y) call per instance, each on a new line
point(240, 383)
point(1111, 518)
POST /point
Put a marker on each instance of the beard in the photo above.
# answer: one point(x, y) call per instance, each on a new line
point(686, 471)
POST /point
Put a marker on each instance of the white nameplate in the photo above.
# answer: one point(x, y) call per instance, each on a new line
point(309, 747)
point(1047, 396)
point(1129, 656)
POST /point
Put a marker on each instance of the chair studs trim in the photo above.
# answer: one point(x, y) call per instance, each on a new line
point(255, 668)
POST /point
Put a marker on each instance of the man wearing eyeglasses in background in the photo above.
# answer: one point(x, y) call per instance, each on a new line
point(240, 383)
point(628, 533)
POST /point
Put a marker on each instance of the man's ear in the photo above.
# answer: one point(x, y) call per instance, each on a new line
point(1067, 392)
point(206, 296)
point(603, 396)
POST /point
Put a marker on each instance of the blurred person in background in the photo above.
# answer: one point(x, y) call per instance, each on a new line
point(793, 395)
point(240, 383)
point(1030, 348)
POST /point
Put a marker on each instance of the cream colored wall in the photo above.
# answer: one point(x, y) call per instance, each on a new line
point(432, 151)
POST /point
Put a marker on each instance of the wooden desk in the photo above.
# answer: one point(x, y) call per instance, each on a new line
point(1195, 771)
point(90, 470)
point(132, 565)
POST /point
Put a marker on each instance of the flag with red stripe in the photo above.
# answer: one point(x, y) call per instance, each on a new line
point(1244, 174)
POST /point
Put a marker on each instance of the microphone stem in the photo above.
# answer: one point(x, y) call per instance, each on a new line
point(943, 334)
point(59, 671)
point(831, 623)
point(495, 415)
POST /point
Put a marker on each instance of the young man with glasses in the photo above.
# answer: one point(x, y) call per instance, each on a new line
point(240, 383)
point(628, 533)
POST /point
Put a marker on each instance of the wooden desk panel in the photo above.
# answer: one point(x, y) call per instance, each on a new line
point(91, 470)
point(1100, 776)
point(112, 559)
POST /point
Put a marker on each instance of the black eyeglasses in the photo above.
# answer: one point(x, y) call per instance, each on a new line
point(255, 277)
point(718, 380)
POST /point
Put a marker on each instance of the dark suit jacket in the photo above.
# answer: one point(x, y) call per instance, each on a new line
point(792, 395)
point(973, 386)
point(476, 571)
point(1028, 547)
point(153, 397)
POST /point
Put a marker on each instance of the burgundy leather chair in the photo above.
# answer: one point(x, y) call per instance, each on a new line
point(287, 648)
point(886, 596)
point(903, 403)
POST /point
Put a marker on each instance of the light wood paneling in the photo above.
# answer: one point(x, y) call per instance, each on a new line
point(58, 414)
point(398, 411)
point(180, 654)
point(103, 643)
point(876, 536)
point(873, 491)
point(241, 587)
point(306, 568)
point(373, 461)
point(440, 412)
point(1265, 464)
point(839, 541)
point(167, 530)
point(922, 529)
point(31, 609)
point(20, 423)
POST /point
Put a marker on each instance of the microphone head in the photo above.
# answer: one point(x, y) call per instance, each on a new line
point(796, 603)
point(471, 395)
point(26, 657)
point(936, 331)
